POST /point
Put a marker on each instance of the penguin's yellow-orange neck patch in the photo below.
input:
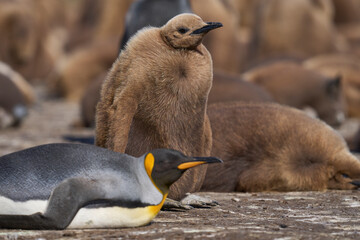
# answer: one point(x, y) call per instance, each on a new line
point(189, 165)
point(149, 163)
point(154, 210)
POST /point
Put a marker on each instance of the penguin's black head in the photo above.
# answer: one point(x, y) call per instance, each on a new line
point(165, 166)
point(186, 30)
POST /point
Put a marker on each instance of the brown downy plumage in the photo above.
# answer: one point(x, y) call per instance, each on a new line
point(291, 84)
point(228, 87)
point(156, 93)
point(268, 147)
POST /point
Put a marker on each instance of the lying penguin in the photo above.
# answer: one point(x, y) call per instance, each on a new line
point(56, 185)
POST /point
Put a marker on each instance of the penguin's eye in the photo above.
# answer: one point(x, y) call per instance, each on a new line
point(182, 30)
point(345, 175)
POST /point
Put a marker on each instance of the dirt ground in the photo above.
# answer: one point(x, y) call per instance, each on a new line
point(285, 216)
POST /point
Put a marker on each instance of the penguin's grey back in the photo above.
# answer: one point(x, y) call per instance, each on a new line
point(34, 172)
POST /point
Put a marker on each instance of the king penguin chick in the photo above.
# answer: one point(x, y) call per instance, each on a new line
point(269, 147)
point(54, 186)
point(155, 96)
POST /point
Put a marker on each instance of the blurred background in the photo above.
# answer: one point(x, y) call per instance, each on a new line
point(55, 54)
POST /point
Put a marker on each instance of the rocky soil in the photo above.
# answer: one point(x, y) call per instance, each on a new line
point(296, 215)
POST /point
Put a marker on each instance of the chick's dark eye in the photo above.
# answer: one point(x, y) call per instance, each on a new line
point(183, 30)
point(345, 175)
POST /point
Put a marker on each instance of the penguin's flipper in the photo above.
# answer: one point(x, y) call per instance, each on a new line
point(126, 107)
point(34, 221)
point(65, 201)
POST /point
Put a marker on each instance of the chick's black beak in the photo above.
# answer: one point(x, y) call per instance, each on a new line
point(208, 27)
point(195, 161)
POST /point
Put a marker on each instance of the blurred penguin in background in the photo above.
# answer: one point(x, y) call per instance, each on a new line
point(230, 87)
point(77, 69)
point(226, 47)
point(155, 13)
point(279, 27)
point(15, 97)
point(348, 67)
point(347, 20)
point(291, 84)
point(346, 11)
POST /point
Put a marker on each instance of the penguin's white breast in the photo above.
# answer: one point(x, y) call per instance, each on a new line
point(105, 217)
point(9, 206)
point(112, 217)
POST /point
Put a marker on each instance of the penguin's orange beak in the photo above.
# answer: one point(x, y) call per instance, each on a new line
point(198, 161)
point(208, 27)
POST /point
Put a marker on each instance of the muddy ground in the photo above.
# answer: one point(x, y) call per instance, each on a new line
point(296, 215)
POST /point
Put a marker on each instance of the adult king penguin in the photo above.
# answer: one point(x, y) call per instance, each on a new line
point(54, 185)
point(155, 96)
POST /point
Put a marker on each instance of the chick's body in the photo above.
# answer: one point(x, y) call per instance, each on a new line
point(155, 95)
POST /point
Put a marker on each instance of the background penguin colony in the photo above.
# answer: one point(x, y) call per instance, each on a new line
point(264, 53)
